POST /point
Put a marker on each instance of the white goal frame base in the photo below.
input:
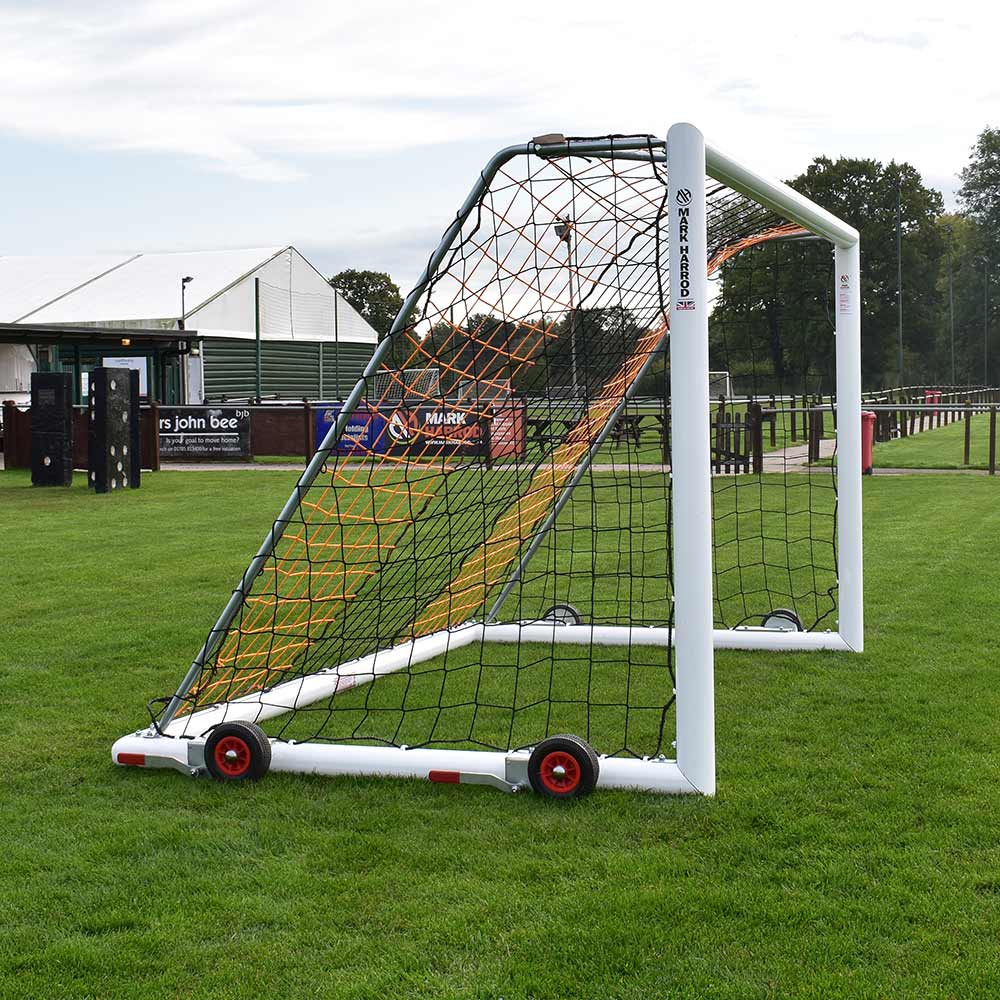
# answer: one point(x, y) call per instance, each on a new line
point(181, 745)
point(146, 749)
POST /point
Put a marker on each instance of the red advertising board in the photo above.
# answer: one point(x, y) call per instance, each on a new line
point(509, 429)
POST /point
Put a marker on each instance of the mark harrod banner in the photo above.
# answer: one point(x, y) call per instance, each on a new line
point(435, 430)
point(496, 429)
point(204, 432)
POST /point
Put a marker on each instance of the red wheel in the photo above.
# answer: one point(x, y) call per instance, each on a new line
point(232, 756)
point(237, 751)
point(559, 772)
point(563, 767)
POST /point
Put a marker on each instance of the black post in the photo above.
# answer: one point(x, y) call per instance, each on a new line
point(755, 418)
point(993, 440)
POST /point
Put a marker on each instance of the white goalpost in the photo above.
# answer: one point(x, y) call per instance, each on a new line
point(407, 615)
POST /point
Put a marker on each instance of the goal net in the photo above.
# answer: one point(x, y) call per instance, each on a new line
point(416, 384)
point(529, 542)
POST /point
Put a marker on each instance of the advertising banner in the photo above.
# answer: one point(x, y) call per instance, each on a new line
point(196, 433)
point(362, 435)
point(426, 431)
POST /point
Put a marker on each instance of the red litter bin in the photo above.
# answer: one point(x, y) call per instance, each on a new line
point(932, 396)
point(867, 441)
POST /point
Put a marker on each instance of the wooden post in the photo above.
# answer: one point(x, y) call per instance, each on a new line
point(968, 436)
point(154, 449)
point(737, 443)
point(774, 422)
point(719, 434)
point(13, 446)
point(755, 431)
point(993, 440)
point(727, 437)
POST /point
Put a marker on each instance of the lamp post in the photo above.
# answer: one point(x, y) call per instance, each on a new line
point(564, 230)
point(184, 284)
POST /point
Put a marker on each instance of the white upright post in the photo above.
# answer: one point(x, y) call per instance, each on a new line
point(690, 458)
point(847, 259)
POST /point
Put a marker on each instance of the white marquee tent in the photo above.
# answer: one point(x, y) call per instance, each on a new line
point(230, 295)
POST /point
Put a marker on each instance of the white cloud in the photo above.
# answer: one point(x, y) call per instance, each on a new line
point(376, 105)
point(256, 89)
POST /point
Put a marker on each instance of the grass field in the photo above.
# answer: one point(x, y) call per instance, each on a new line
point(941, 448)
point(852, 850)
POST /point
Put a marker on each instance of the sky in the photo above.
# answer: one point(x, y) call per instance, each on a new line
point(355, 130)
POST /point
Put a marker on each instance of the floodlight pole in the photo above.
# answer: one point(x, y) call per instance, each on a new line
point(986, 321)
point(899, 269)
point(691, 457)
point(951, 300)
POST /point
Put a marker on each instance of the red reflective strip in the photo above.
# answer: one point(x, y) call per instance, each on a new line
point(445, 777)
point(138, 759)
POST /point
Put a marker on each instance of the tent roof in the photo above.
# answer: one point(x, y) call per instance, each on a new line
point(122, 288)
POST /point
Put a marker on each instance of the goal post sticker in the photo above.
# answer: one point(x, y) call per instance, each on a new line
point(844, 298)
point(685, 302)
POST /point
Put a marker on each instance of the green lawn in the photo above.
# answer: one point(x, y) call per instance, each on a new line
point(941, 448)
point(852, 850)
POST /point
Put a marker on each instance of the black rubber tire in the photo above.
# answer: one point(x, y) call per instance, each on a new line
point(564, 613)
point(249, 747)
point(784, 614)
point(558, 749)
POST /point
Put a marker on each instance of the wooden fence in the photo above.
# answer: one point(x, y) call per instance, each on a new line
point(894, 421)
point(738, 428)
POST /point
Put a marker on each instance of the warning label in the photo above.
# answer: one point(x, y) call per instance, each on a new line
point(844, 305)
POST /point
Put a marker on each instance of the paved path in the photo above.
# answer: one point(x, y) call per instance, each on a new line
point(794, 458)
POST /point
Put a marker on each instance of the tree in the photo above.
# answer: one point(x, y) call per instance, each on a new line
point(980, 190)
point(862, 192)
point(977, 259)
point(373, 293)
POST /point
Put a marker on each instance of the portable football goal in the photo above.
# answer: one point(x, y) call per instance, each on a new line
point(519, 574)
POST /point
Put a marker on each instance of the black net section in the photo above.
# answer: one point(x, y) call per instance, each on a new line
point(503, 484)
point(772, 331)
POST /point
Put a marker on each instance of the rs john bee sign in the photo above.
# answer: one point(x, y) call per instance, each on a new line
point(204, 432)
